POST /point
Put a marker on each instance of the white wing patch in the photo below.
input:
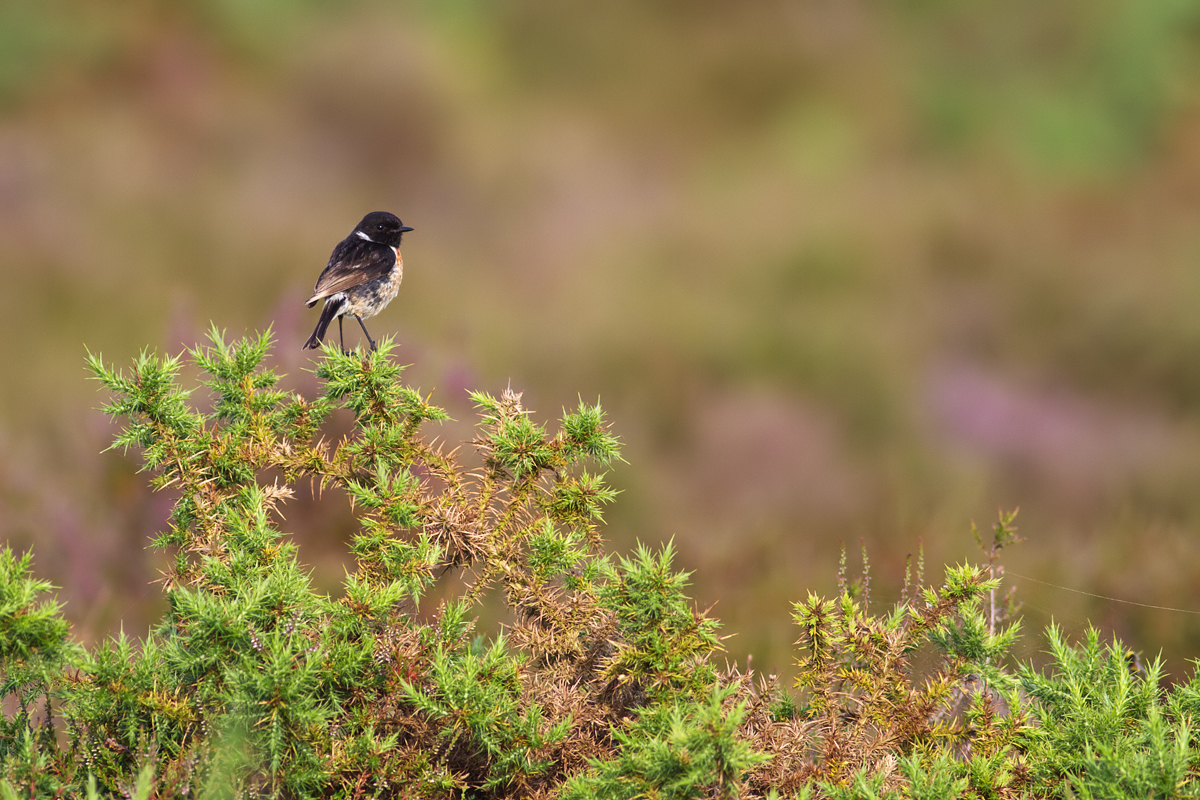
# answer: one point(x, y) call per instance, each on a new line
point(362, 235)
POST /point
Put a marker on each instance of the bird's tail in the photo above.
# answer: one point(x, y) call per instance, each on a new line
point(327, 314)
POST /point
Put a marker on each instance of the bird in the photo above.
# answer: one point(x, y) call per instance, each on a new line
point(363, 275)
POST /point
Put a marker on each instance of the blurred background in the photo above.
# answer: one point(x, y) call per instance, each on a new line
point(838, 270)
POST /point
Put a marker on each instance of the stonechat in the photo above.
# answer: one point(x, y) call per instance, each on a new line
point(362, 277)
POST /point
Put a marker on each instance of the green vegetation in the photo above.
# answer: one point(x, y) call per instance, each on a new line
point(942, 255)
point(606, 682)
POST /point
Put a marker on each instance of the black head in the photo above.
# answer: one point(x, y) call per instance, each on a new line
point(381, 227)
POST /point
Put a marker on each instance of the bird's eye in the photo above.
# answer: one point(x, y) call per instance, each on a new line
point(379, 226)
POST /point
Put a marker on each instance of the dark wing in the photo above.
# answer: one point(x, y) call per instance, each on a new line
point(354, 261)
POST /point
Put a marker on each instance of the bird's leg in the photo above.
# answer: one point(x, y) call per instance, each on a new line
point(364, 327)
point(341, 337)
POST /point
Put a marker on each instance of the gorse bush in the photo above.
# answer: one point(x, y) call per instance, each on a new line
point(604, 685)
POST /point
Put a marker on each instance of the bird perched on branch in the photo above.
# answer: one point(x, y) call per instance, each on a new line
point(362, 277)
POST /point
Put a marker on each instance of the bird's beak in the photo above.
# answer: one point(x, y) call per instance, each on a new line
point(405, 229)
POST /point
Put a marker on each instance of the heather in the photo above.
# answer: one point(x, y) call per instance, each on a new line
point(839, 270)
